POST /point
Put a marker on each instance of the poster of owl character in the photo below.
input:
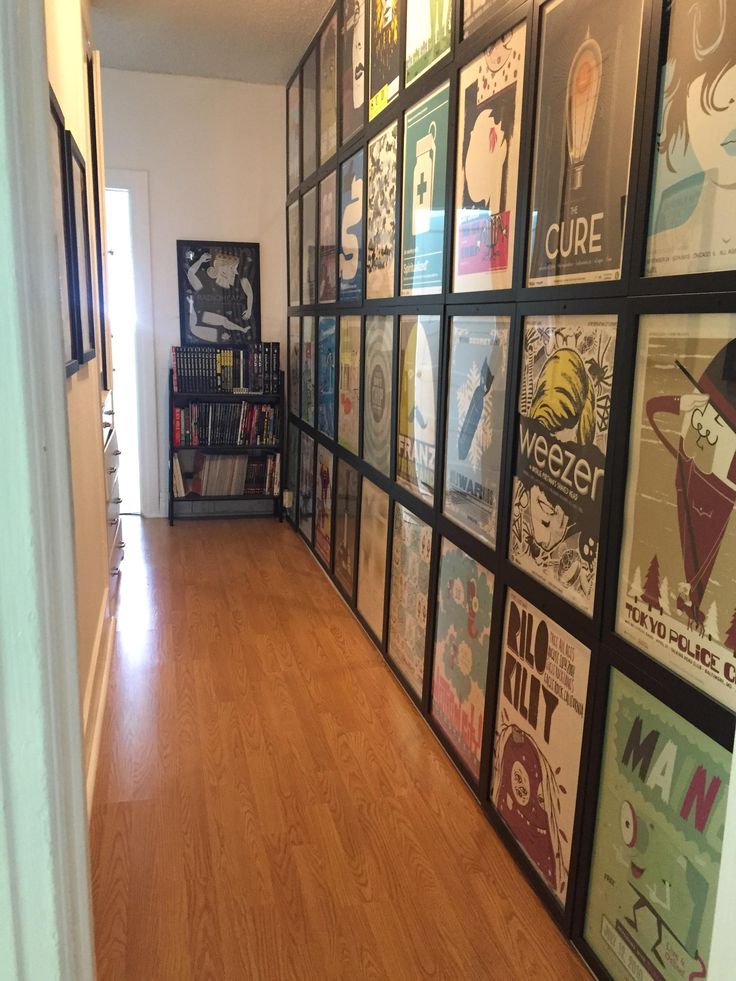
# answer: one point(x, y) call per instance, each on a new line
point(676, 598)
point(385, 55)
point(489, 125)
point(564, 409)
point(306, 486)
point(327, 256)
point(461, 651)
point(323, 504)
point(658, 840)
point(350, 270)
point(538, 738)
point(407, 625)
point(353, 67)
point(380, 250)
point(419, 352)
point(476, 403)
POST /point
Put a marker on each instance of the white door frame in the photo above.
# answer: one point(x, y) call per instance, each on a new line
point(45, 922)
point(136, 183)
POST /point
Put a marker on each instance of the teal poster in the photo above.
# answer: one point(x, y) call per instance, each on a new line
point(423, 208)
point(658, 838)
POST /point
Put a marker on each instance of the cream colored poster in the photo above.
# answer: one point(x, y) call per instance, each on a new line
point(372, 555)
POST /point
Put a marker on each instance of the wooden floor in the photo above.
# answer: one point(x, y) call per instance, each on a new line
point(269, 804)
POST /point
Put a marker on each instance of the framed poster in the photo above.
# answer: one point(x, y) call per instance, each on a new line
point(372, 555)
point(63, 234)
point(693, 195)
point(351, 228)
point(323, 499)
point(348, 409)
point(346, 524)
point(419, 353)
point(219, 292)
point(380, 246)
point(326, 352)
point(478, 12)
point(538, 738)
point(378, 389)
point(353, 67)
point(489, 133)
point(385, 55)
point(292, 473)
point(309, 247)
point(94, 100)
point(476, 400)
point(308, 370)
point(423, 205)
point(309, 115)
point(676, 598)
point(564, 409)
point(82, 253)
point(327, 262)
point(428, 35)
point(407, 620)
point(306, 487)
point(328, 90)
point(295, 250)
point(293, 133)
point(462, 639)
point(658, 837)
point(582, 142)
point(295, 358)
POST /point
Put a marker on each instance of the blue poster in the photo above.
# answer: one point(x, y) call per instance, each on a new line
point(351, 228)
point(326, 359)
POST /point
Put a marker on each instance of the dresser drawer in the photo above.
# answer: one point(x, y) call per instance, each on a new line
point(117, 548)
point(112, 458)
point(113, 514)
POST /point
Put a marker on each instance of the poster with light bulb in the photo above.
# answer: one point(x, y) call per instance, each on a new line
point(582, 144)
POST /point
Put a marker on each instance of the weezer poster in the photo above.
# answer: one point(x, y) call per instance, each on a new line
point(423, 206)
point(676, 598)
point(475, 420)
point(380, 248)
point(582, 144)
point(328, 91)
point(292, 105)
point(327, 263)
point(539, 737)
point(323, 499)
point(379, 338)
point(489, 130)
point(348, 408)
point(353, 67)
point(462, 639)
point(691, 220)
point(419, 350)
point(306, 486)
point(326, 352)
point(372, 555)
point(385, 55)
point(428, 35)
point(658, 839)
point(564, 409)
point(346, 519)
point(351, 228)
point(407, 624)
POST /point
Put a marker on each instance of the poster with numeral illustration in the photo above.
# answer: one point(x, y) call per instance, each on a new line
point(351, 228)
point(407, 626)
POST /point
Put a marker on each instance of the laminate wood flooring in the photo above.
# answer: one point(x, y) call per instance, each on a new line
point(269, 804)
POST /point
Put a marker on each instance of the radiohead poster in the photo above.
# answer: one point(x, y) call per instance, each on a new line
point(676, 598)
point(582, 142)
point(385, 55)
point(428, 35)
point(323, 502)
point(564, 409)
point(658, 840)
point(327, 260)
point(351, 228)
point(407, 621)
point(423, 207)
point(475, 417)
point(306, 486)
point(380, 248)
point(353, 67)
point(538, 738)
point(419, 350)
point(379, 335)
point(461, 650)
point(691, 221)
point(326, 355)
point(346, 519)
point(489, 125)
point(348, 406)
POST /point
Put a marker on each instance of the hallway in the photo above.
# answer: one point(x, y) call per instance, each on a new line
point(269, 804)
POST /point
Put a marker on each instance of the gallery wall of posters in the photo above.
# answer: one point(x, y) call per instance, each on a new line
point(428, 35)
point(419, 359)
point(294, 254)
point(461, 650)
point(564, 411)
point(306, 486)
point(295, 357)
point(476, 399)
point(326, 355)
point(346, 524)
point(676, 597)
point(582, 140)
point(407, 623)
point(309, 247)
point(539, 735)
point(378, 389)
point(328, 91)
point(323, 504)
point(380, 249)
point(308, 370)
point(327, 261)
point(658, 838)
point(351, 228)
point(372, 555)
point(385, 55)
point(348, 407)
point(423, 202)
point(309, 115)
point(489, 135)
point(353, 67)
point(293, 125)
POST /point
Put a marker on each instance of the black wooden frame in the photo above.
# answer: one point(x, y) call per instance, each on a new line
point(85, 331)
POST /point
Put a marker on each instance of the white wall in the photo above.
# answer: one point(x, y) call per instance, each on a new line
point(215, 155)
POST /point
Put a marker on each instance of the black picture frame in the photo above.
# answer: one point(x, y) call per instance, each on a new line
point(63, 233)
point(237, 263)
point(98, 187)
point(84, 311)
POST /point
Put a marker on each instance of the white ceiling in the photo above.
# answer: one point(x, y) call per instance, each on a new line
point(248, 40)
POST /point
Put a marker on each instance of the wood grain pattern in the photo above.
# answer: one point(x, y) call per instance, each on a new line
point(269, 803)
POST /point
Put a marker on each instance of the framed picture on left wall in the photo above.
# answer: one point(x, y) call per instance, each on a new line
point(62, 233)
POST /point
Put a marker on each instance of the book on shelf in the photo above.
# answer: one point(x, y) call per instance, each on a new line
point(253, 369)
point(216, 475)
point(225, 424)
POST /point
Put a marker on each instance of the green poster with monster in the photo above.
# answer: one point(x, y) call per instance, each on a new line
point(658, 837)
